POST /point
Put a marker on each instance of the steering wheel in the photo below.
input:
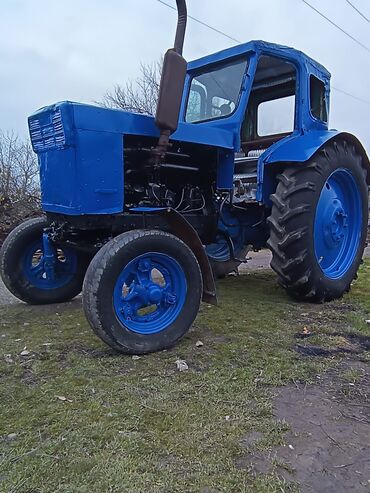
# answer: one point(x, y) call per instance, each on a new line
point(225, 109)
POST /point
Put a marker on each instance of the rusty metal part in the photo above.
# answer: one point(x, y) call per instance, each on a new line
point(171, 88)
point(180, 227)
point(181, 25)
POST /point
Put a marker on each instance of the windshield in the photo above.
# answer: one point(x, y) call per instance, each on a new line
point(215, 94)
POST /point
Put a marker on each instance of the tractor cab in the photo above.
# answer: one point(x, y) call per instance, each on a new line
point(254, 87)
point(261, 94)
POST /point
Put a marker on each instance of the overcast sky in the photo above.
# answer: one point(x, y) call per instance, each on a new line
point(77, 49)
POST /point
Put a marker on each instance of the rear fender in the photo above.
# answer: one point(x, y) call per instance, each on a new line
point(180, 227)
point(299, 148)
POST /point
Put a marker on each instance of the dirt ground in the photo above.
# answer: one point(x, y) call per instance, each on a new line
point(327, 447)
point(6, 298)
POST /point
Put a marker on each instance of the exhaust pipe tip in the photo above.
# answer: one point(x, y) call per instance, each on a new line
point(182, 14)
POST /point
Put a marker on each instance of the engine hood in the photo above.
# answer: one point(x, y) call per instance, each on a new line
point(94, 118)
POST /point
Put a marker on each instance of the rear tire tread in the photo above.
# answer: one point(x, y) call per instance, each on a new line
point(290, 239)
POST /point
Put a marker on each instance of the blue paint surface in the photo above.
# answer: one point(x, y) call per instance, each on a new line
point(44, 269)
point(150, 293)
point(147, 209)
point(81, 173)
point(338, 221)
point(299, 148)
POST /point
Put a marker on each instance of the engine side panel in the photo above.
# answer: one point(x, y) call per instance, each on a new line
point(81, 171)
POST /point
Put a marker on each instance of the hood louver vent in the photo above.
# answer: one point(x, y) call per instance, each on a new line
point(47, 132)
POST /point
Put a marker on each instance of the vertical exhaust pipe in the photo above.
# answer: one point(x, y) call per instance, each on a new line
point(182, 17)
point(171, 86)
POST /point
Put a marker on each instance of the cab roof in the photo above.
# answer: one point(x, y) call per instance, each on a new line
point(258, 47)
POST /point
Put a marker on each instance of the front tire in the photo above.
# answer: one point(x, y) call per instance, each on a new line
point(318, 223)
point(21, 266)
point(142, 291)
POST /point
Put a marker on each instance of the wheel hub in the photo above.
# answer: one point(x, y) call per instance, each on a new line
point(149, 293)
point(336, 224)
point(338, 221)
point(47, 267)
point(155, 293)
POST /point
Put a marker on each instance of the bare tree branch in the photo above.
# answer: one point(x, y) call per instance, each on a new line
point(140, 95)
point(18, 168)
point(19, 182)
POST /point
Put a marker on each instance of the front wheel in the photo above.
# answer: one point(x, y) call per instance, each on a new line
point(142, 291)
point(34, 277)
point(318, 224)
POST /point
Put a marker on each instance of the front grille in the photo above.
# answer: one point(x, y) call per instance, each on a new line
point(47, 132)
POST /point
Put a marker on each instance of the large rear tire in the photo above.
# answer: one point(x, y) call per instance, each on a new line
point(318, 223)
point(142, 291)
point(22, 269)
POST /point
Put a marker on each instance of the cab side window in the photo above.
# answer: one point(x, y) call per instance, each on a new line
point(318, 103)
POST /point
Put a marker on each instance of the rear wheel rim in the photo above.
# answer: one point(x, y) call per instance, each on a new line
point(65, 267)
point(338, 224)
point(150, 293)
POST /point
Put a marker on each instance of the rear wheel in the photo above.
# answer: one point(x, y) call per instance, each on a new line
point(28, 276)
point(318, 223)
point(142, 291)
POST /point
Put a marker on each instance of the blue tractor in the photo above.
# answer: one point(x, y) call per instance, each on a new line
point(143, 213)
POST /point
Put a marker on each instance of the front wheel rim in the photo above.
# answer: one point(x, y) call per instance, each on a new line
point(338, 224)
point(150, 293)
point(33, 268)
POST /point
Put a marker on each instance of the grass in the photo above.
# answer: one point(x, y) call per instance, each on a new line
point(89, 420)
